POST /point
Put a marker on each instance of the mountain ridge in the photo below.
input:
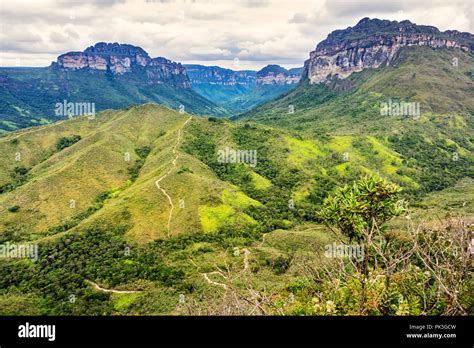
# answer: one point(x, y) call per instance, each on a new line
point(104, 76)
point(240, 90)
point(120, 59)
point(373, 43)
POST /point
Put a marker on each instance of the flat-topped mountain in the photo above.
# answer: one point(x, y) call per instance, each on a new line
point(121, 59)
point(214, 75)
point(105, 76)
point(277, 75)
point(373, 43)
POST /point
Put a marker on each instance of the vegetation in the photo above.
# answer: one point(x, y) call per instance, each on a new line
point(239, 238)
point(39, 89)
point(142, 153)
point(67, 141)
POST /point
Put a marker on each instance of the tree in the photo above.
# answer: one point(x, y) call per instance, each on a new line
point(359, 211)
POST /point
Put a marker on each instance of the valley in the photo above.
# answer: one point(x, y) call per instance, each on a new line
point(136, 213)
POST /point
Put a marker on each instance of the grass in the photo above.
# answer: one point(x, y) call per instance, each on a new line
point(301, 151)
point(238, 200)
point(212, 218)
point(230, 212)
point(341, 143)
point(122, 302)
point(260, 182)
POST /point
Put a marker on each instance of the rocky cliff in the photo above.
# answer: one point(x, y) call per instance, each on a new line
point(373, 43)
point(277, 75)
point(121, 59)
point(241, 90)
point(214, 75)
point(269, 75)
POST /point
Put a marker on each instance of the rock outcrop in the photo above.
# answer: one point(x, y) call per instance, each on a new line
point(269, 75)
point(277, 75)
point(373, 43)
point(214, 75)
point(120, 59)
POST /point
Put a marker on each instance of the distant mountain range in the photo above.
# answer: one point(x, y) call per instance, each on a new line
point(149, 179)
point(112, 76)
point(241, 90)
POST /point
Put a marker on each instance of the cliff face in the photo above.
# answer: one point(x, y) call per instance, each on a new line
point(122, 59)
point(214, 75)
point(373, 43)
point(277, 75)
point(269, 75)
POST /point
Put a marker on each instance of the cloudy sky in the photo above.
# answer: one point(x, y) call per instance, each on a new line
point(210, 32)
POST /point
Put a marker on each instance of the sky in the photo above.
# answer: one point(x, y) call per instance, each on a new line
point(235, 34)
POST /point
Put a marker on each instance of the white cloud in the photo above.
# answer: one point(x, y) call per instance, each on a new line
point(257, 32)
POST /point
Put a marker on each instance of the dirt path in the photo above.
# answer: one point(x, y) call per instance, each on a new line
point(222, 285)
point(246, 260)
point(210, 281)
point(157, 182)
point(99, 288)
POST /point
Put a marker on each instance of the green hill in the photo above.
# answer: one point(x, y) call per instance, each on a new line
point(438, 142)
point(115, 231)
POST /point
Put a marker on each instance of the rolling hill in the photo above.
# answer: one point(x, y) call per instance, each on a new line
point(147, 210)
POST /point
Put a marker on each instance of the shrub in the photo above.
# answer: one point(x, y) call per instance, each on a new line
point(13, 209)
point(67, 141)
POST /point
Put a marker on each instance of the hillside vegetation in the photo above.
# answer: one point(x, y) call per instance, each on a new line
point(439, 140)
point(99, 216)
point(29, 95)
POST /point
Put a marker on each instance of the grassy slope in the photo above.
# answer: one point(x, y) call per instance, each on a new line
point(215, 195)
point(289, 167)
point(351, 106)
point(97, 164)
point(350, 109)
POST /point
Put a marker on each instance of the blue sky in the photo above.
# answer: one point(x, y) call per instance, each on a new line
point(209, 32)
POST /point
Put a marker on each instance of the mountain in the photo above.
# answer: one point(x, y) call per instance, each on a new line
point(424, 76)
point(369, 64)
point(277, 75)
point(106, 75)
point(241, 90)
point(146, 210)
point(220, 85)
point(373, 43)
point(120, 59)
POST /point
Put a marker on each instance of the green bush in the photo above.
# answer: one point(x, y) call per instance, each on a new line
point(67, 141)
point(13, 209)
